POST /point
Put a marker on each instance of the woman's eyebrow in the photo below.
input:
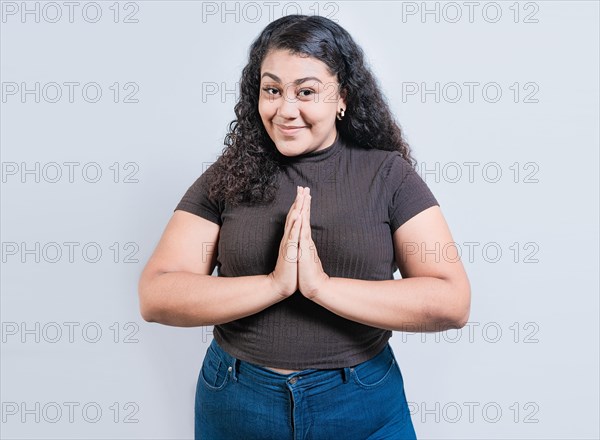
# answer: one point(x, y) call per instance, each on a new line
point(296, 82)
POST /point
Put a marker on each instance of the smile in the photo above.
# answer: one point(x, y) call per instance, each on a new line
point(288, 131)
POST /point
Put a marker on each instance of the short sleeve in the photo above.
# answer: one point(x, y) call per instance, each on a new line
point(196, 200)
point(408, 194)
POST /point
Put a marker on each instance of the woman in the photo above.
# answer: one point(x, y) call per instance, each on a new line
point(308, 212)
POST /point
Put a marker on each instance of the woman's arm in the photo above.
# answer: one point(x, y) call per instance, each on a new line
point(176, 287)
point(433, 295)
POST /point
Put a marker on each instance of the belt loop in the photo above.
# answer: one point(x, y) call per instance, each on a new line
point(346, 374)
point(234, 369)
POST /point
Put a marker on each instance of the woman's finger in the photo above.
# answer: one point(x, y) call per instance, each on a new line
point(292, 214)
point(295, 203)
point(306, 217)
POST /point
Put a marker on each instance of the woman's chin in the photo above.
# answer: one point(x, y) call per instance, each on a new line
point(288, 148)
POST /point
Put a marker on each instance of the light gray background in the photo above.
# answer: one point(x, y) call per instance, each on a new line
point(540, 371)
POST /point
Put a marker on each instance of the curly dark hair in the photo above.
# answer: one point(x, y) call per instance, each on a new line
point(247, 169)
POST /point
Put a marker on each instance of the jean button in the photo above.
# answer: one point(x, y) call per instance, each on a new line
point(293, 380)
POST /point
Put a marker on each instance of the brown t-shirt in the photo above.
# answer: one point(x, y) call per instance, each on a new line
point(359, 198)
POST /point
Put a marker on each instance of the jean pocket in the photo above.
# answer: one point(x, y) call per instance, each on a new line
point(215, 372)
point(375, 371)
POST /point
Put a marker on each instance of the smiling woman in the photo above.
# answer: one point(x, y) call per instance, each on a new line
point(306, 216)
point(298, 113)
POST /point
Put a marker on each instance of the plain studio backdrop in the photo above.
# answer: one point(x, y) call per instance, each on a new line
point(111, 110)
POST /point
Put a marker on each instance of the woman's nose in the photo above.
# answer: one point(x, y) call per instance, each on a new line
point(288, 107)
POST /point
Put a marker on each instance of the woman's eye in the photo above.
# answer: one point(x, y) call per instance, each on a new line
point(272, 91)
point(306, 92)
point(268, 89)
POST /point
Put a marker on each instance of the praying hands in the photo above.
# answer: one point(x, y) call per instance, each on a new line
point(298, 265)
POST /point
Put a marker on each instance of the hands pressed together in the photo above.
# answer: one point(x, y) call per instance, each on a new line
point(298, 265)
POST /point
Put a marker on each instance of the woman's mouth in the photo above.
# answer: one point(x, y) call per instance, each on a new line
point(289, 130)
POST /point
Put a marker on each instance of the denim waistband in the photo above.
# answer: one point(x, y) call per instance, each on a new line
point(268, 376)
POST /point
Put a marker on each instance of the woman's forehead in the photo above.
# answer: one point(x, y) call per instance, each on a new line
point(284, 65)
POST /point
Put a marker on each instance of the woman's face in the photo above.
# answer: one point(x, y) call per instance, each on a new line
point(298, 102)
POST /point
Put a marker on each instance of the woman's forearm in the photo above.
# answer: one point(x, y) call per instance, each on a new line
point(420, 304)
point(185, 299)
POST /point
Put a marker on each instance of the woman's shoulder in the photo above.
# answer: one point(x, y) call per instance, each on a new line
point(381, 159)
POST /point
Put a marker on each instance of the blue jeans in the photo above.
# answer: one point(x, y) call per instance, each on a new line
point(236, 399)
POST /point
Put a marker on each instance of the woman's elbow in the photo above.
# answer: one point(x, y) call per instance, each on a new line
point(460, 309)
point(147, 312)
point(148, 308)
point(453, 307)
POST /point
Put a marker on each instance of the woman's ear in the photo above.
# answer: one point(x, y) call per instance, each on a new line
point(342, 99)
